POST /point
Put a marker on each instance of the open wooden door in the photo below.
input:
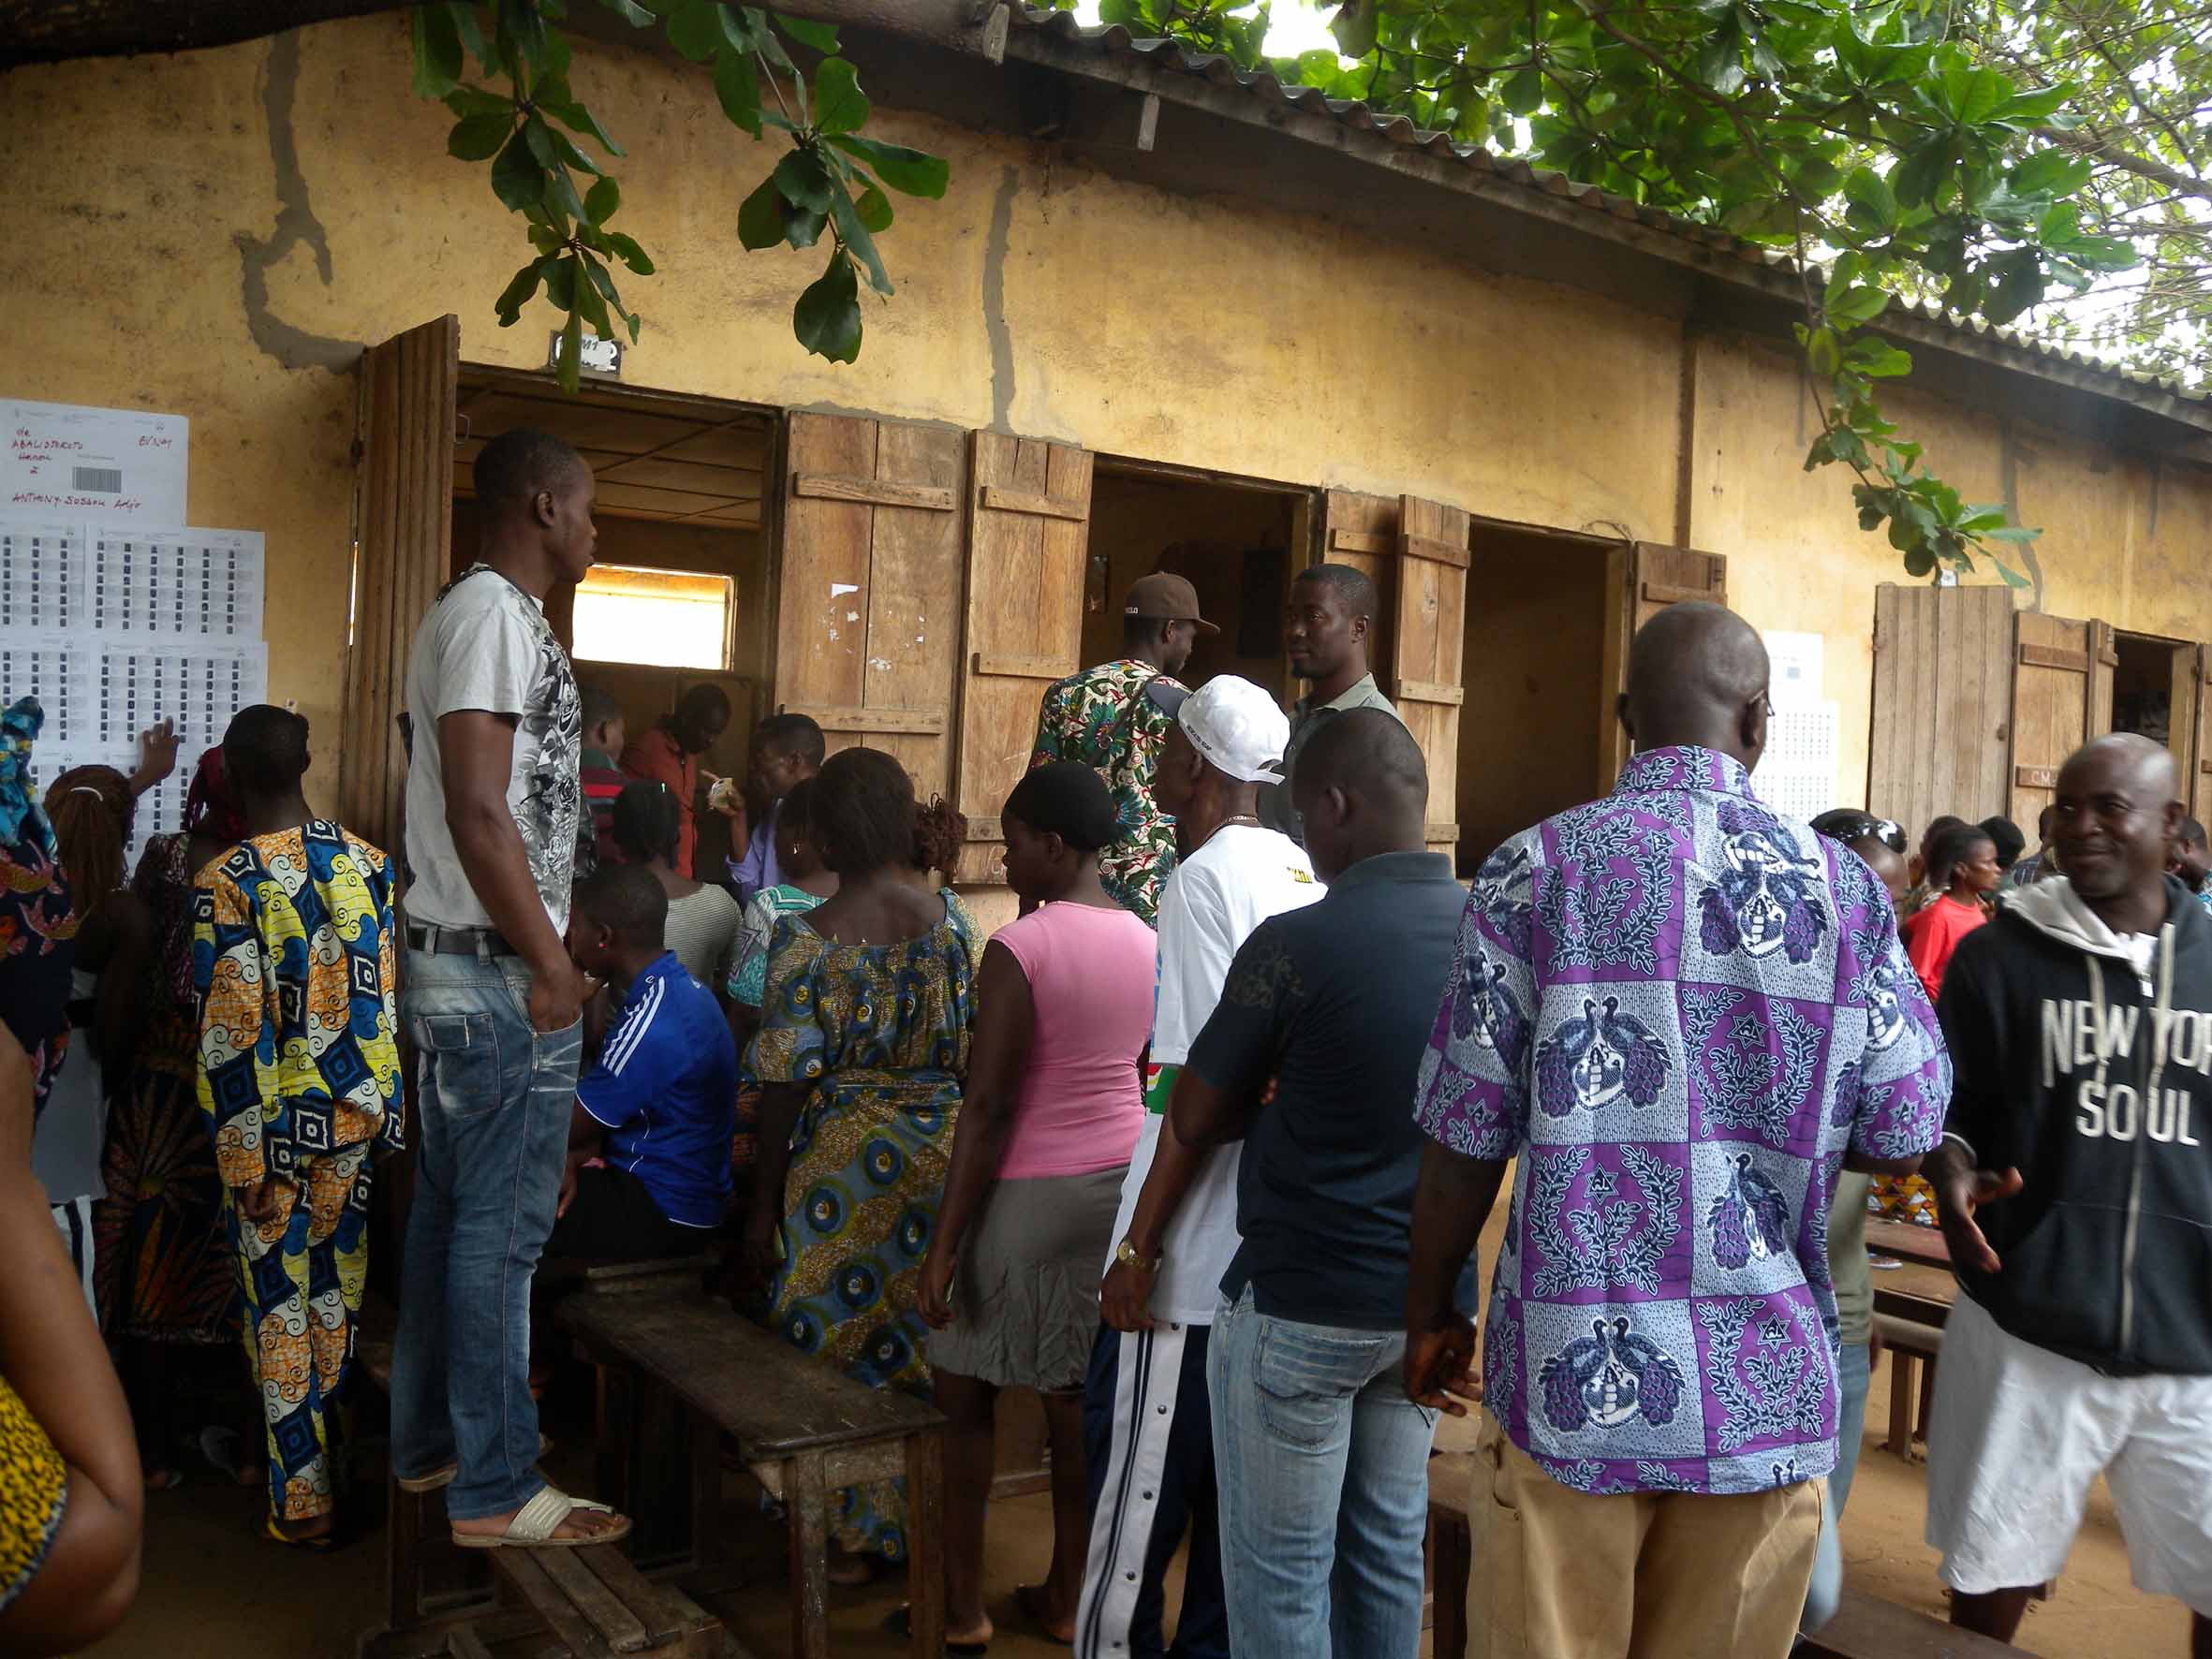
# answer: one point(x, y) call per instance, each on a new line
point(1429, 646)
point(2062, 697)
point(408, 387)
point(1362, 531)
point(1942, 718)
point(1650, 577)
point(1029, 531)
point(868, 590)
point(2197, 778)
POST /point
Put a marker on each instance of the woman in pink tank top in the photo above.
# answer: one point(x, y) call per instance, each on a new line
point(1049, 1120)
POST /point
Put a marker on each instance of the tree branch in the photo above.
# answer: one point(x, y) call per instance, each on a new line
point(49, 31)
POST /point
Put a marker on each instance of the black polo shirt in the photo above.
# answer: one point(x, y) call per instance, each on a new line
point(1335, 1002)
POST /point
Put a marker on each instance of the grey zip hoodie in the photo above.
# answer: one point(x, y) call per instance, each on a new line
point(2088, 1067)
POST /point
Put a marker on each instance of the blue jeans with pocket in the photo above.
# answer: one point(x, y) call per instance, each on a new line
point(1826, 1592)
point(1322, 1464)
point(494, 1100)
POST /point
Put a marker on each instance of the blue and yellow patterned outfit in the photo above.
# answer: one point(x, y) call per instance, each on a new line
point(878, 1035)
point(292, 952)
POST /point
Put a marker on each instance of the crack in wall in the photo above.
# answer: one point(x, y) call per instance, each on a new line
point(293, 347)
point(995, 329)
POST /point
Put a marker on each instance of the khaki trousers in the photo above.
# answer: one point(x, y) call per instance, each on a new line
point(1558, 1573)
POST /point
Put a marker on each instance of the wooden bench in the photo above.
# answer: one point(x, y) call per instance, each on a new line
point(599, 1606)
point(801, 1430)
point(1866, 1627)
point(1913, 1348)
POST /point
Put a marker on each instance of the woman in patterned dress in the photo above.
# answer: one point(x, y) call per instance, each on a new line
point(165, 1272)
point(863, 1044)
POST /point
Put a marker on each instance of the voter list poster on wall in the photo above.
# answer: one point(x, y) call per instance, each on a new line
point(121, 616)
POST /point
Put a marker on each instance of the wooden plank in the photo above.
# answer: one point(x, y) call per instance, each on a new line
point(2036, 777)
point(615, 1624)
point(1023, 573)
point(1028, 501)
point(930, 722)
point(875, 492)
point(774, 1401)
point(2200, 772)
point(1434, 551)
point(806, 1501)
point(1371, 542)
point(1428, 691)
point(1437, 831)
point(925, 1544)
point(2055, 689)
point(524, 1572)
point(822, 584)
point(986, 829)
point(1022, 668)
point(1907, 1241)
point(2046, 657)
point(408, 394)
point(1663, 593)
point(1652, 577)
point(913, 612)
point(1867, 1628)
point(464, 1643)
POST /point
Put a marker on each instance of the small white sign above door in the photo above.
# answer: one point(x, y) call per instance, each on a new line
point(598, 356)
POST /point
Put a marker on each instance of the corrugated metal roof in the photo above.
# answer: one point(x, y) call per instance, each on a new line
point(1113, 40)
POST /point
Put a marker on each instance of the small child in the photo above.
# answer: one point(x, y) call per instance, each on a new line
point(1962, 866)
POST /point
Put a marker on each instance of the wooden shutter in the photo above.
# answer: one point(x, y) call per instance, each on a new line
point(1429, 648)
point(868, 585)
point(2062, 697)
point(2198, 789)
point(1942, 715)
point(1362, 531)
point(1650, 576)
point(407, 428)
point(1028, 531)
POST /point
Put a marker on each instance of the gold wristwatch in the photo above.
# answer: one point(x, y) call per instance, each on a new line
point(1128, 1256)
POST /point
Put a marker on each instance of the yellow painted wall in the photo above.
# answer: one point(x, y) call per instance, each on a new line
point(218, 234)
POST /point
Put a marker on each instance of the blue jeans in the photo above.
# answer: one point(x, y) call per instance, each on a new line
point(1826, 1591)
point(494, 1103)
point(1323, 1463)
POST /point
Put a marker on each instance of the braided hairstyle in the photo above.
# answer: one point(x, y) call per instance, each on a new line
point(939, 828)
point(646, 824)
point(90, 808)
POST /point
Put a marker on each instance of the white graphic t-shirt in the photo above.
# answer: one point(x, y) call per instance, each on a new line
point(1243, 875)
point(486, 645)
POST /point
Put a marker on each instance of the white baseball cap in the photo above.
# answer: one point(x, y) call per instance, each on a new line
point(1238, 727)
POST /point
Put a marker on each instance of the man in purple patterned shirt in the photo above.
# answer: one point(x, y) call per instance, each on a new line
point(1684, 1015)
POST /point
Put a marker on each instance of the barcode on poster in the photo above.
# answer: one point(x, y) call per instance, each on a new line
point(99, 480)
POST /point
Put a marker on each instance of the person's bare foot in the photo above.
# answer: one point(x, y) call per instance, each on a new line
point(577, 1523)
point(1039, 1604)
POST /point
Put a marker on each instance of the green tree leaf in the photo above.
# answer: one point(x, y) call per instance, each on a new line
point(696, 29)
point(523, 42)
point(853, 233)
point(737, 88)
point(821, 36)
point(437, 51)
point(804, 181)
point(478, 137)
point(2050, 172)
point(827, 318)
point(839, 105)
point(804, 227)
point(760, 216)
point(577, 118)
point(629, 253)
point(517, 178)
point(1869, 192)
point(630, 12)
point(910, 171)
point(519, 293)
point(874, 210)
point(569, 365)
point(601, 200)
point(1853, 306)
point(465, 101)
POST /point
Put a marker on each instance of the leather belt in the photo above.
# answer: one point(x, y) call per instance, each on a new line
point(460, 942)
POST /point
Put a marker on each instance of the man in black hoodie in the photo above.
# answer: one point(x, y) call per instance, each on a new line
point(2075, 1187)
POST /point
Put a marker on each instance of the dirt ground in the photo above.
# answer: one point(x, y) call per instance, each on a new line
point(214, 1589)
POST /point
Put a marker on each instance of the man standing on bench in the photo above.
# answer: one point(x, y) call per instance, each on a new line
point(2075, 1191)
point(649, 1137)
point(1669, 1008)
point(492, 999)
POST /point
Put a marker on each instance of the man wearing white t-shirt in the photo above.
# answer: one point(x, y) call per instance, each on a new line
point(1147, 1418)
